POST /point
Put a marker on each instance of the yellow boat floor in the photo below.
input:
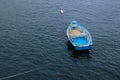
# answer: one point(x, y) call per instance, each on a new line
point(75, 32)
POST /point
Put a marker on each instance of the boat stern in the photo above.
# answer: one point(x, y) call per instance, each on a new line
point(83, 48)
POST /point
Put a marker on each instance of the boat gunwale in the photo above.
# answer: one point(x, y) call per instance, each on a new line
point(89, 35)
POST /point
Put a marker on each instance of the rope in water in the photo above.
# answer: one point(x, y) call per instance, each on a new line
point(19, 74)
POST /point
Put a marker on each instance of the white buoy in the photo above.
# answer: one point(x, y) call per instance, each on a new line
point(61, 11)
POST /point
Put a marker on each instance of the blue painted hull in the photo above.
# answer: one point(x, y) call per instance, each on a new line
point(82, 48)
point(79, 42)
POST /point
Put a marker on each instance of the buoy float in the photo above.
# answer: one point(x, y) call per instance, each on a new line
point(61, 11)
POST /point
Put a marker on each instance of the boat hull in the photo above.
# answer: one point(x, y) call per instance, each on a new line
point(82, 48)
point(80, 43)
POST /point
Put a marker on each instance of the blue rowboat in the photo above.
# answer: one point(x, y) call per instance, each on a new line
point(78, 36)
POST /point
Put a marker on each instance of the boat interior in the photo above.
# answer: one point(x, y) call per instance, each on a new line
point(75, 31)
point(77, 36)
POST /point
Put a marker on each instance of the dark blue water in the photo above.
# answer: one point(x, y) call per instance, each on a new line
point(34, 45)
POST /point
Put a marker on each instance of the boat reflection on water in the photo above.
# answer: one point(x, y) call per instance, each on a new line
point(76, 54)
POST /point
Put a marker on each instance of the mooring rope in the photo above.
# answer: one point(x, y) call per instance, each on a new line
point(19, 74)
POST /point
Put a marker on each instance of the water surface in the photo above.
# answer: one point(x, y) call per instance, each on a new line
point(34, 45)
